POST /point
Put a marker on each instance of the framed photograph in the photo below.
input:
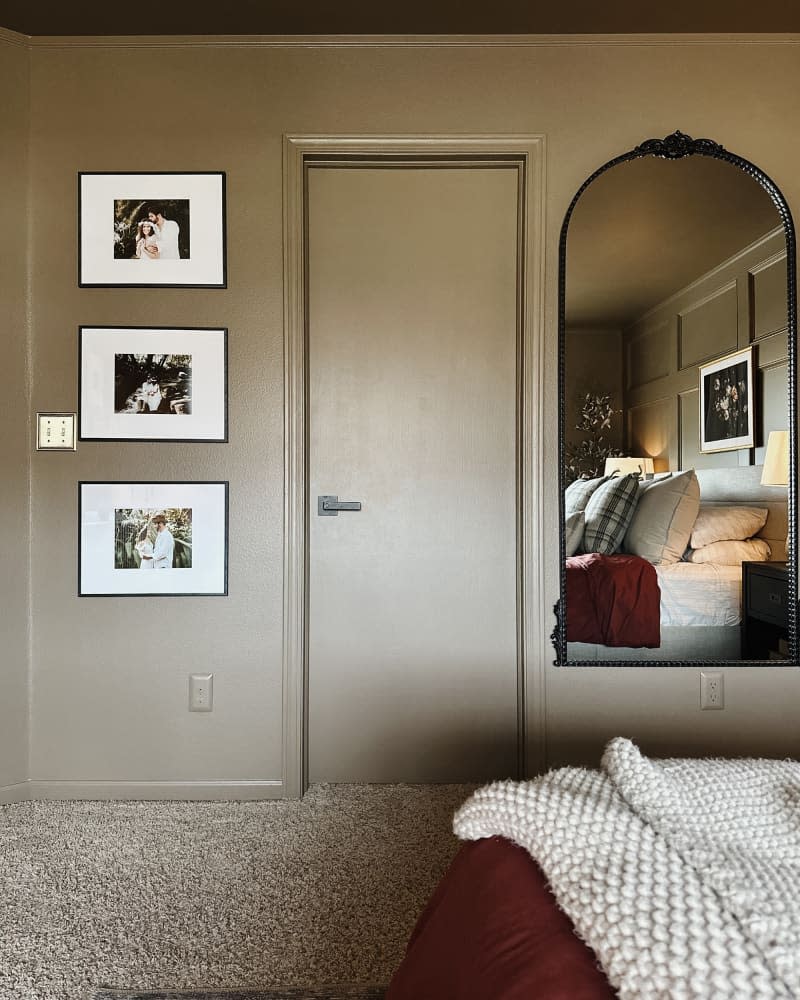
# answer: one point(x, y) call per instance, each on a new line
point(152, 384)
point(151, 230)
point(152, 539)
point(727, 406)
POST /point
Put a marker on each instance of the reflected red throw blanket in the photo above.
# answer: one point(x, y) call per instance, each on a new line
point(613, 600)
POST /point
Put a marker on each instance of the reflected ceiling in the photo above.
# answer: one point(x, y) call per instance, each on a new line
point(154, 17)
point(650, 227)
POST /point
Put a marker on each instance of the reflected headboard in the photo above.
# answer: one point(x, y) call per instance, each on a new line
point(741, 487)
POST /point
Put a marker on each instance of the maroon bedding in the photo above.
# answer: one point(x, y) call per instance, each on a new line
point(492, 931)
point(613, 600)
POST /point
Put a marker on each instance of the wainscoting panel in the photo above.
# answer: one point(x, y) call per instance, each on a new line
point(768, 296)
point(649, 353)
point(690, 456)
point(710, 327)
point(653, 431)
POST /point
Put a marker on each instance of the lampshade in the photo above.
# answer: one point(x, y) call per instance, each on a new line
point(776, 460)
point(624, 466)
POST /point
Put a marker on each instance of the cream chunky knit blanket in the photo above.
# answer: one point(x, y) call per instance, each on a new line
point(682, 875)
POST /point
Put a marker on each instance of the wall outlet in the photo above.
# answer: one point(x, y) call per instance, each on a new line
point(712, 689)
point(201, 692)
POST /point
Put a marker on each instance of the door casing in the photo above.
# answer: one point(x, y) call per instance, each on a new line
point(527, 154)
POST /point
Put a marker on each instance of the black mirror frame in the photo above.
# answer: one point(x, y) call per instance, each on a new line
point(675, 147)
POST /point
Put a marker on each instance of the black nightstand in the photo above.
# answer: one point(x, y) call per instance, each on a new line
point(765, 604)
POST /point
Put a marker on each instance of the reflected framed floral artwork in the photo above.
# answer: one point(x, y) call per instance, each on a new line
point(727, 407)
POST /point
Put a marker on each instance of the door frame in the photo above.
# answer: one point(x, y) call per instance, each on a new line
point(527, 154)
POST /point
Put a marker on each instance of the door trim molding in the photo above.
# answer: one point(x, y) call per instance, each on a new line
point(299, 151)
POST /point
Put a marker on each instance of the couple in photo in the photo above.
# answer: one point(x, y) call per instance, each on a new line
point(156, 237)
point(172, 397)
point(158, 555)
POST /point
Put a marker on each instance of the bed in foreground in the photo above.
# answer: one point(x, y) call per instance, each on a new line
point(678, 876)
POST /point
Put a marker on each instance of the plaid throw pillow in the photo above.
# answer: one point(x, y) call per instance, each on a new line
point(609, 512)
point(577, 494)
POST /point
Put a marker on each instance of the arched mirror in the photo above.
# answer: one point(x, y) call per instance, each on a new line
point(677, 416)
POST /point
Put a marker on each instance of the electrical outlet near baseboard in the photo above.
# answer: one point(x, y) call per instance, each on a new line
point(201, 692)
point(712, 689)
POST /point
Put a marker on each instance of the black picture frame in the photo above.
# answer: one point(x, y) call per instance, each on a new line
point(112, 513)
point(192, 404)
point(189, 251)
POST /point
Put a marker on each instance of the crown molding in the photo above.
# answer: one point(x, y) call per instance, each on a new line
point(718, 271)
point(394, 41)
point(14, 38)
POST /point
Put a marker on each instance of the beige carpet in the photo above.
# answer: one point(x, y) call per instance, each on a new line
point(191, 895)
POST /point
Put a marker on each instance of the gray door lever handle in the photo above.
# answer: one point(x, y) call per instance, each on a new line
point(330, 506)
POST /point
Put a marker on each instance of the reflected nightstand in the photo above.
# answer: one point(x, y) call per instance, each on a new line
point(765, 604)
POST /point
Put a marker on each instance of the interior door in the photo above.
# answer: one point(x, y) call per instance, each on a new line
point(412, 287)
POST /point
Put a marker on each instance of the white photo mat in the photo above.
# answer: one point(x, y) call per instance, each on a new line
point(205, 192)
point(97, 506)
point(98, 348)
point(718, 440)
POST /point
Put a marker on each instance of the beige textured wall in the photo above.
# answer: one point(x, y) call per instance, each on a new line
point(109, 674)
point(15, 436)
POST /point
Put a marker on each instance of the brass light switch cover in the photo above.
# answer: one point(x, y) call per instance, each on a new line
point(55, 431)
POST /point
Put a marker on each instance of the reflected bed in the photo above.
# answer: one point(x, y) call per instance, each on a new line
point(701, 602)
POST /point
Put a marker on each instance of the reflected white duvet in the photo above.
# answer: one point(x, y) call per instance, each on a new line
point(700, 594)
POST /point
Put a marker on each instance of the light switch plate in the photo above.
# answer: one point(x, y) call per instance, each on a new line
point(55, 431)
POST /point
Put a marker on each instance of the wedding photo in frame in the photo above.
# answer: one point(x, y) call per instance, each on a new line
point(152, 383)
point(152, 539)
point(727, 405)
point(151, 230)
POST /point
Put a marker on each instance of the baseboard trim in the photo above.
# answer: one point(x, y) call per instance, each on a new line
point(236, 791)
point(20, 792)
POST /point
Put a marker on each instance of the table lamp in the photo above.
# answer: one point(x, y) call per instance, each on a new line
point(625, 466)
point(776, 464)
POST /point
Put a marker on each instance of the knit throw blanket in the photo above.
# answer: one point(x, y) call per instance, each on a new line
point(683, 876)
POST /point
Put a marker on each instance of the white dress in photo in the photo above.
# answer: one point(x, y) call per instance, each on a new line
point(151, 240)
point(145, 550)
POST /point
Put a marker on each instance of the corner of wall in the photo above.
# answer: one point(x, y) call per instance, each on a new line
point(15, 452)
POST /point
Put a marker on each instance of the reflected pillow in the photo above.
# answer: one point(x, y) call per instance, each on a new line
point(731, 553)
point(718, 524)
point(573, 532)
point(664, 517)
point(577, 494)
point(609, 512)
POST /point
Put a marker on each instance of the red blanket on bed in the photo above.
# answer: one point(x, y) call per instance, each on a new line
point(493, 931)
point(613, 600)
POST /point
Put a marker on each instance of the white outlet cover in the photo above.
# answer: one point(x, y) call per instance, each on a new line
point(201, 692)
point(712, 690)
